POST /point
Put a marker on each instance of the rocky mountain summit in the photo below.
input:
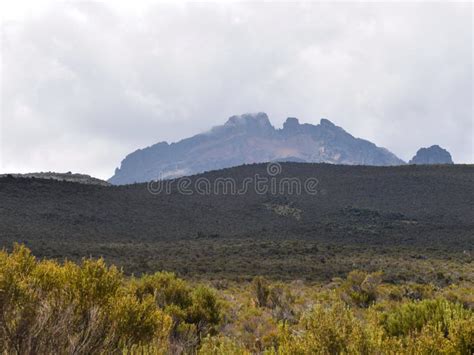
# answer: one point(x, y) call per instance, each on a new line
point(246, 139)
point(432, 155)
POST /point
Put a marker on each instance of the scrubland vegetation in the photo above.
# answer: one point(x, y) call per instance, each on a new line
point(90, 307)
point(412, 222)
point(381, 262)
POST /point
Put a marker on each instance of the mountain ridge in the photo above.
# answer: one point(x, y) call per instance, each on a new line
point(251, 138)
point(69, 177)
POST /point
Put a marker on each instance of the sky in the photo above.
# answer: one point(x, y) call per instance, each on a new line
point(83, 84)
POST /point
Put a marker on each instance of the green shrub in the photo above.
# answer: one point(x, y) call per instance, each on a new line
point(195, 312)
point(360, 288)
point(166, 288)
point(413, 316)
point(91, 308)
point(49, 308)
point(204, 311)
point(432, 319)
point(326, 330)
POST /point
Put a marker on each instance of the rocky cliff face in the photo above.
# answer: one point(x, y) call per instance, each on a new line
point(250, 138)
point(432, 155)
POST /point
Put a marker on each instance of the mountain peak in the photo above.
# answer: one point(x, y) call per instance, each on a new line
point(432, 155)
point(326, 123)
point(291, 125)
point(260, 118)
point(251, 138)
point(291, 122)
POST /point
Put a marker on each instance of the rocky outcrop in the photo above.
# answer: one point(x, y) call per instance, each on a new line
point(432, 155)
point(250, 138)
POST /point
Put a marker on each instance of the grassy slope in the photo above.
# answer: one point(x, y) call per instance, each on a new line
point(414, 222)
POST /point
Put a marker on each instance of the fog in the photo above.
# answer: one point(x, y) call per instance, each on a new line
point(84, 84)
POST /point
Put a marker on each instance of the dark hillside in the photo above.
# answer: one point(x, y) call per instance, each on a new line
point(410, 215)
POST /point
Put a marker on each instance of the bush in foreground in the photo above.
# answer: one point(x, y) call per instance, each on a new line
point(92, 308)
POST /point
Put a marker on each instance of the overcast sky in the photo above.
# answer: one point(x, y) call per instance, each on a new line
point(84, 83)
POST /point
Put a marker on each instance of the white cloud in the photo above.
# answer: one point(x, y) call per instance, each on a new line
point(85, 83)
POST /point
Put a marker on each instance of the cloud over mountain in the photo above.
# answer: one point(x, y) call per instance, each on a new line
point(85, 83)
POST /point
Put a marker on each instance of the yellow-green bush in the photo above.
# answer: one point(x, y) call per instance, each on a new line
point(93, 308)
point(438, 322)
point(360, 288)
point(413, 316)
point(50, 308)
point(327, 330)
point(195, 312)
